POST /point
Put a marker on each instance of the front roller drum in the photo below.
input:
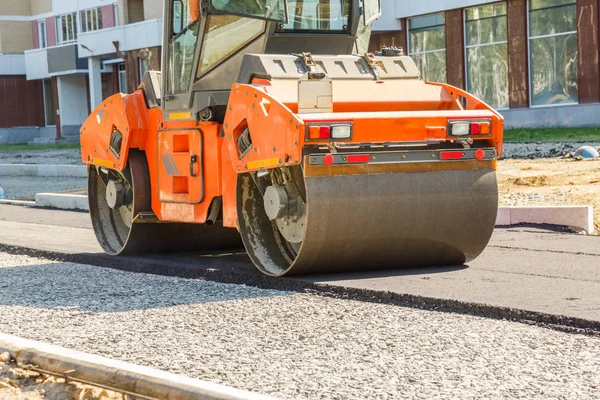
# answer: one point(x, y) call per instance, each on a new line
point(368, 222)
point(116, 198)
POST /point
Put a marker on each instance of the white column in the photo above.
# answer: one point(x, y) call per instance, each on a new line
point(94, 67)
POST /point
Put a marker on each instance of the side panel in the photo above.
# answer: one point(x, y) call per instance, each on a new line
point(171, 199)
point(180, 166)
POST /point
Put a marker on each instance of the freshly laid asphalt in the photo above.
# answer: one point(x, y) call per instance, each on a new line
point(523, 270)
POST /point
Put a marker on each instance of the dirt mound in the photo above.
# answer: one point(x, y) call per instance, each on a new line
point(535, 181)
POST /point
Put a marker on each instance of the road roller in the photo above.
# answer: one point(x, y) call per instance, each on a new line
point(272, 127)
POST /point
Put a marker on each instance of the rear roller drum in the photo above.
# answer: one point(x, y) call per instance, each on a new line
point(292, 224)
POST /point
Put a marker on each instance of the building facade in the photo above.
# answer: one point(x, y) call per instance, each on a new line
point(536, 61)
point(61, 58)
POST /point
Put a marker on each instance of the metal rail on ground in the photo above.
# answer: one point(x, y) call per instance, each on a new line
point(121, 377)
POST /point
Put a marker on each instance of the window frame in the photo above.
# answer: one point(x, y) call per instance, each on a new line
point(42, 36)
point(116, 13)
point(122, 70)
point(90, 15)
point(529, 39)
point(467, 47)
point(141, 62)
point(58, 22)
point(408, 44)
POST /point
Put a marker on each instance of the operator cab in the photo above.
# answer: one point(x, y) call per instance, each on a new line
point(205, 42)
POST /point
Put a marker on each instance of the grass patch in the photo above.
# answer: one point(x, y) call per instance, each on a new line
point(552, 134)
point(28, 147)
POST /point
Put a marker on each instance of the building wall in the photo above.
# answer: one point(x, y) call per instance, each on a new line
point(15, 7)
point(589, 74)
point(67, 6)
point(153, 9)
point(518, 62)
point(21, 102)
point(519, 70)
point(135, 11)
point(15, 37)
point(41, 6)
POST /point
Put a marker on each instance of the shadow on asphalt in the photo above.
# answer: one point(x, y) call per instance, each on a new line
point(99, 290)
point(347, 276)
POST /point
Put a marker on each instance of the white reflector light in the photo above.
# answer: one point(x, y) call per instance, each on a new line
point(341, 131)
point(460, 128)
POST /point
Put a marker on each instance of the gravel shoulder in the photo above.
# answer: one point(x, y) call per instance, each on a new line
point(51, 157)
point(25, 187)
point(289, 345)
point(551, 181)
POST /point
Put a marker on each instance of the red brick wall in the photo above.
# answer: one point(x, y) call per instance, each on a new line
point(455, 42)
point(21, 102)
point(587, 38)
point(518, 81)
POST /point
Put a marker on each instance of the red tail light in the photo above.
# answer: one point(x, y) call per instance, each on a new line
point(451, 155)
point(324, 132)
point(359, 158)
point(475, 128)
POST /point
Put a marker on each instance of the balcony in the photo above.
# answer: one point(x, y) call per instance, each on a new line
point(54, 61)
point(130, 37)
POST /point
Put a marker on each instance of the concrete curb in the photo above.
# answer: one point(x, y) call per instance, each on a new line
point(581, 217)
point(121, 377)
point(62, 201)
point(24, 203)
point(75, 171)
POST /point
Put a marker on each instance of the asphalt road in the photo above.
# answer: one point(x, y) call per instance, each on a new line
point(523, 268)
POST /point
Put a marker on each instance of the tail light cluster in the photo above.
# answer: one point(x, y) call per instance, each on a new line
point(469, 128)
point(328, 131)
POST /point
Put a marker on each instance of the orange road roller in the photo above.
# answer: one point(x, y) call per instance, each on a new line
point(272, 126)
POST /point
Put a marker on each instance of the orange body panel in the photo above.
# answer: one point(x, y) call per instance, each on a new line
point(183, 189)
point(176, 196)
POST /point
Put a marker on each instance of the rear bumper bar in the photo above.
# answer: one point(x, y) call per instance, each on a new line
point(404, 156)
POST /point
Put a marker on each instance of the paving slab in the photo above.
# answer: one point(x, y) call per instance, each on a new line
point(522, 268)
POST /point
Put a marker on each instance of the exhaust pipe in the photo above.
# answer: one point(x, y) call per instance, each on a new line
point(213, 213)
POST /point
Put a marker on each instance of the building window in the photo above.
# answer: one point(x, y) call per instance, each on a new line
point(90, 20)
point(427, 46)
point(66, 28)
point(42, 34)
point(487, 54)
point(144, 66)
point(116, 11)
point(553, 52)
point(122, 78)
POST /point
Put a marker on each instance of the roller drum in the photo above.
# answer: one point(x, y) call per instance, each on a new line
point(119, 235)
point(378, 221)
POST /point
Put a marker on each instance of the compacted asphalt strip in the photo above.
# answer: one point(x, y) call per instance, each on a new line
point(531, 274)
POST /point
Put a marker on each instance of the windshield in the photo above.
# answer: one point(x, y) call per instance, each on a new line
point(273, 10)
point(318, 15)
